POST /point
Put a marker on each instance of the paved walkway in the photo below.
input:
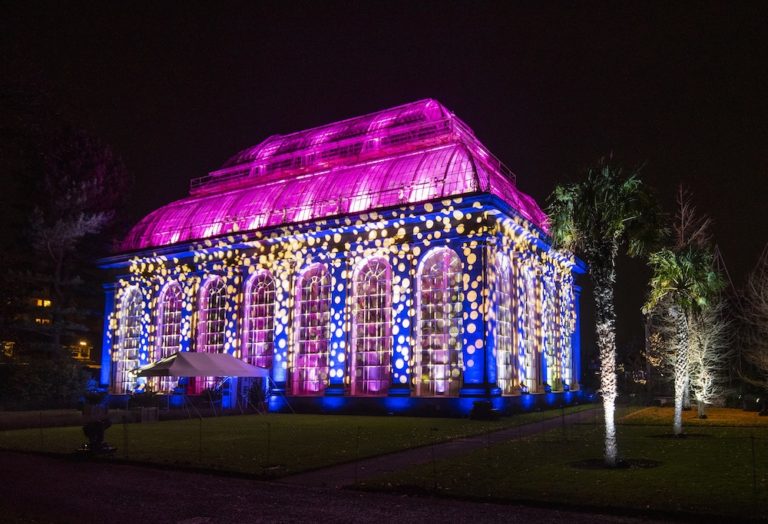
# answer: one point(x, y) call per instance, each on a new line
point(346, 474)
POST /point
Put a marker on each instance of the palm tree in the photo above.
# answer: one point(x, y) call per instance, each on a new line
point(688, 278)
point(685, 284)
point(595, 218)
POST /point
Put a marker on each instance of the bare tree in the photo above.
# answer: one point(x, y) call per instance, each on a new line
point(709, 354)
point(659, 349)
point(82, 184)
point(754, 324)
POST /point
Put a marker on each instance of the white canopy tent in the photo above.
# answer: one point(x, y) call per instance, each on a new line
point(191, 364)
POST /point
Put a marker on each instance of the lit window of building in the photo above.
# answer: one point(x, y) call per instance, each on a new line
point(506, 355)
point(260, 320)
point(371, 328)
point(168, 332)
point(310, 367)
point(212, 323)
point(438, 359)
point(129, 335)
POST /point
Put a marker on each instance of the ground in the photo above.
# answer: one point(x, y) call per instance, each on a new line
point(719, 470)
point(55, 489)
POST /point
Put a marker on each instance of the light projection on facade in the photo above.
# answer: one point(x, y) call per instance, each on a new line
point(371, 333)
point(381, 258)
point(258, 346)
point(168, 331)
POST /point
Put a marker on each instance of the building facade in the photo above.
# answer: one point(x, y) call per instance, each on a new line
point(386, 262)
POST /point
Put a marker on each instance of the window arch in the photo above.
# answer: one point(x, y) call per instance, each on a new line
point(566, 305)
point(313, 315)
point(371, 328)
point(129, 335)
point(531, 326)
point(552, 319)
point(258, 347)
point(438, 362)
point(212, 316)
point(168, 331)
point(506, 356)
point(213, 322)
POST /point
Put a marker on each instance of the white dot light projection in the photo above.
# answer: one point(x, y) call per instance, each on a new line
point(506, 354)
point(213, 321)
point(310, 365)
point(440, 305)
point(442, 286)
point(371, 328)
point(168, 332)
point(129, 340)
point(258, 348)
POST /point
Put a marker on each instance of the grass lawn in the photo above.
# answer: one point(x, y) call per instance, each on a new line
point(709, 472)
point(656, 416)
point(267, 445)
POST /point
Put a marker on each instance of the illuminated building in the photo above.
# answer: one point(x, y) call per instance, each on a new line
point(383, 263)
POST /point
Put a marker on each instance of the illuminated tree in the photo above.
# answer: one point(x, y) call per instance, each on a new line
point(595, 217)
point(54, 182)
point(754, 324)
point(658, 357)
point(710, 353)
point(684, 276)
point(81, 185)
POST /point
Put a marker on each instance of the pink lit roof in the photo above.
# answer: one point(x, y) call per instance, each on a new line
point(408, 154)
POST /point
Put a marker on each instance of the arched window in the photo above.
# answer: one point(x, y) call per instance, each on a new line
point(554, 349)
point(129, 335)
point(437, 362)
point(371, 328)
point(506, 361)
point(168, 332)
point(313, 315)
point(210, 339)
point(565, 294)
point(258, 348)
point(531, 327)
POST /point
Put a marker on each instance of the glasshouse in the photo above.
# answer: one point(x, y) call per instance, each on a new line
point(386, 263)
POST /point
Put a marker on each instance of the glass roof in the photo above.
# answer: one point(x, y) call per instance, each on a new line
point(405, 155)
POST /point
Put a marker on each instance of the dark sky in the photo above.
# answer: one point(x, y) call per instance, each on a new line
point(177, 88)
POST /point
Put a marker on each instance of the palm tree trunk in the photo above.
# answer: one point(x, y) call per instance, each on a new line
point(681, 365)
point(604, 279)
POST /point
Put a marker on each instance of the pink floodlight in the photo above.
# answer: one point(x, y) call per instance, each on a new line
point(404, 155)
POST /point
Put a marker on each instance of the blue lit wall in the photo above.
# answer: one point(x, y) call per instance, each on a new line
point(474, 227)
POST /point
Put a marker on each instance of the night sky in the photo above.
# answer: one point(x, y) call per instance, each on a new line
point(177, 88)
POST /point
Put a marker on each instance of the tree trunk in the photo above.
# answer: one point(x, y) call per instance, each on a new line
point(604, 278)
point(648, 382)
point(702, 409)
point(681, 365)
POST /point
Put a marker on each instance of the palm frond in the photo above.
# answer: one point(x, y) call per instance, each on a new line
point(606, 208)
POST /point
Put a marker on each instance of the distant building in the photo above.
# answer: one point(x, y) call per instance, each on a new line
point(386, 262)
point(42, 311)
point(81, 351)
